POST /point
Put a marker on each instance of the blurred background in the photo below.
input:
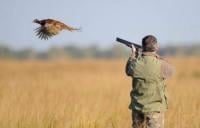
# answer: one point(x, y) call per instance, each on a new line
point(174, 23)
point(77, 80)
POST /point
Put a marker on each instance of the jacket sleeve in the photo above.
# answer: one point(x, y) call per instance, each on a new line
point(167, 70)
point(129, 67)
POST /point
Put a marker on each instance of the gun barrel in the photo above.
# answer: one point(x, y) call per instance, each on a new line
point(127, 43)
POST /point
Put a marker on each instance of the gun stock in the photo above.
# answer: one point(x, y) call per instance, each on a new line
point(127, 43)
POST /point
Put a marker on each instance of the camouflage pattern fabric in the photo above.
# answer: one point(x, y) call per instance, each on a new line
point(148, 120)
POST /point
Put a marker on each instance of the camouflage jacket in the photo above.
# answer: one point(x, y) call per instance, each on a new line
point(148, 72)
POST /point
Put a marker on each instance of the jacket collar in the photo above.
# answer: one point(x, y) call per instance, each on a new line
point(150, 54)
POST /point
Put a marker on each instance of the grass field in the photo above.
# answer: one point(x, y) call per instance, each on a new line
point(88, 94)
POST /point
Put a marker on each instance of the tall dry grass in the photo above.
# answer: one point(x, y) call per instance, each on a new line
point(88, 94)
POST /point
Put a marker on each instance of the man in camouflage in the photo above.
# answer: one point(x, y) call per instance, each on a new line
point(148, 72)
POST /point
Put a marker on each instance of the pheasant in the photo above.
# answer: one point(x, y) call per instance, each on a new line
point(50, 28)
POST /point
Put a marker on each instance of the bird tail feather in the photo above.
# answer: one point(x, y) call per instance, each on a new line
point(78, 29)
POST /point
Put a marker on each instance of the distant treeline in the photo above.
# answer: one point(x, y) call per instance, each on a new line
point(116, 51)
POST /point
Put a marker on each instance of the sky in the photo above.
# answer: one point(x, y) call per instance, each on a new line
point(171, 21)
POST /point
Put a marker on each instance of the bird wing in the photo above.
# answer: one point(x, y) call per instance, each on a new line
point(42, 33)
point(47, 30)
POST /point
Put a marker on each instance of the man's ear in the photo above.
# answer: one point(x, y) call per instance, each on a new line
point(157, 47)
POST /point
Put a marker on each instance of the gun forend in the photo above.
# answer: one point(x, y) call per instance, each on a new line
point(127, 43)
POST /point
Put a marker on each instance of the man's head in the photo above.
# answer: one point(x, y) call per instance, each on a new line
point(149, 43)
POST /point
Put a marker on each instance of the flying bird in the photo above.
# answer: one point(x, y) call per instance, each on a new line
point(49, 28)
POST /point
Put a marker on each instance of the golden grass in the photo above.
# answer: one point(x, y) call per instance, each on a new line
point(88, 94)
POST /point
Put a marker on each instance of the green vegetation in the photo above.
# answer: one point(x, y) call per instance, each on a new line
point(72, 51)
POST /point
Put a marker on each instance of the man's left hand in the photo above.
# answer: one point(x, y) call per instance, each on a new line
point(133, 50)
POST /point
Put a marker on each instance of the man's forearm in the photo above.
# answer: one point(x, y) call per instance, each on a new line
point(129, 66)
point(130, 62)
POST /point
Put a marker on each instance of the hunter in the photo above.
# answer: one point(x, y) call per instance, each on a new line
point(149, 72)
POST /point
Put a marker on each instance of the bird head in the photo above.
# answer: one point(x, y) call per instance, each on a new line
point(36, 21)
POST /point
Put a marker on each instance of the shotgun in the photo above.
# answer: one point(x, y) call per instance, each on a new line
point(137, 46)
point(128, 43)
